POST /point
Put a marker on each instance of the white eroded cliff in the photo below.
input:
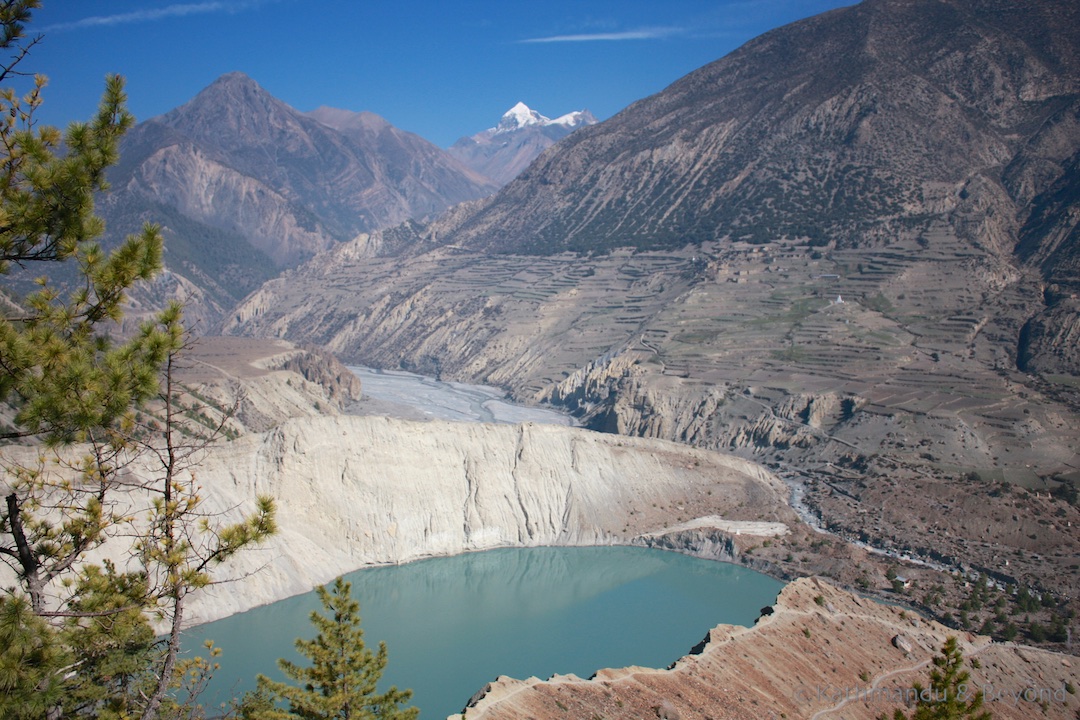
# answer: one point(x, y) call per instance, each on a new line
point(356, 491)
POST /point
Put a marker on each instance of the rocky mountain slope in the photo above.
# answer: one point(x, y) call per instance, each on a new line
point(797, 662)
point(843, 250)
point(849, 129)
point(502, 152)
point(245, 186)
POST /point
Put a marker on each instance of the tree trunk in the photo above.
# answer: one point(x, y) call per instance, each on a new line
point(31, 567)
point(170, 657)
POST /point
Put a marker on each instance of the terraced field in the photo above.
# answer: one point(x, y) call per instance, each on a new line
point(907, 330)
point(862, 371)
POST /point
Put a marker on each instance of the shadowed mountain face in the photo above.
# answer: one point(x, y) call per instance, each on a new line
point(245, 185)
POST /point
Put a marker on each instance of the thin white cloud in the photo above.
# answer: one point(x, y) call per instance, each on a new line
point(643, 34)
point(169, 11)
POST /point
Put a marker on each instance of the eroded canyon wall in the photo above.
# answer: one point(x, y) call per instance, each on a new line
point(357, 491)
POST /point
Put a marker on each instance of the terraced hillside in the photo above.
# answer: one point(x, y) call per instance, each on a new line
point(866, 368)
point(900, 363)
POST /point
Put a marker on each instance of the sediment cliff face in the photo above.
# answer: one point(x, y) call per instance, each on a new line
point(355, 491)
point(358, 491)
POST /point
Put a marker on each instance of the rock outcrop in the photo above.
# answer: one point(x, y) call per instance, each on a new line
point(1050, 341)
point(260, 384)
point(798, 661)
point(320, 367)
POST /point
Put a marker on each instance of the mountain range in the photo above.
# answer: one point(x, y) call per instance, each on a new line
point(880, 124)
point(846, 129)
point(847, 249)
point(245, 186)
point(502, 152)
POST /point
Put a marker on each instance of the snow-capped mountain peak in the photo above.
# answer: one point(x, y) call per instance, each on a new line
point(505, 150)
point(519, 116)
point(574, 119)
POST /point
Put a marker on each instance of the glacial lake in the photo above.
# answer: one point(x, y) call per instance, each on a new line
point(453, 624)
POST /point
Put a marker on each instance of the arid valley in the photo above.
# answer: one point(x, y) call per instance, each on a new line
point(813, 309)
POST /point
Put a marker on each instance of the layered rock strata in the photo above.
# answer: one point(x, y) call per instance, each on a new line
point(359, 491)
point(798, 661)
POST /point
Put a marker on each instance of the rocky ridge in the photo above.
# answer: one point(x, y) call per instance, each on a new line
point(245, 186)
point(798, 661)
point(847, 129)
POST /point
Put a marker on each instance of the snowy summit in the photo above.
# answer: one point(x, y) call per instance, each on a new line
point(501, 152)
point(521, 115)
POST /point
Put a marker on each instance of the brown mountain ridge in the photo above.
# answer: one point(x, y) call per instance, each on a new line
point(246, 186)
point(849, 128)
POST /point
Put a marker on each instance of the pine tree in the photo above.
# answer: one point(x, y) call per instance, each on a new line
point(29, 657)
point(75, 637)
point(950, 696)
point(340, 682)
point(62, 373)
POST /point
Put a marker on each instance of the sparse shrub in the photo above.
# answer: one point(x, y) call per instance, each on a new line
point(949, 696)
point(1066, 491)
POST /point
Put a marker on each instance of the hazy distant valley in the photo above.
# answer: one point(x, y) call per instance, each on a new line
point(846, 254)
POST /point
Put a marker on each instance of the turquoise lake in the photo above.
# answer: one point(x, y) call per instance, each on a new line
point(453, 624)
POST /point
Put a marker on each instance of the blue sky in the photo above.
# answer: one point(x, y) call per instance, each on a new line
point(438, 68)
